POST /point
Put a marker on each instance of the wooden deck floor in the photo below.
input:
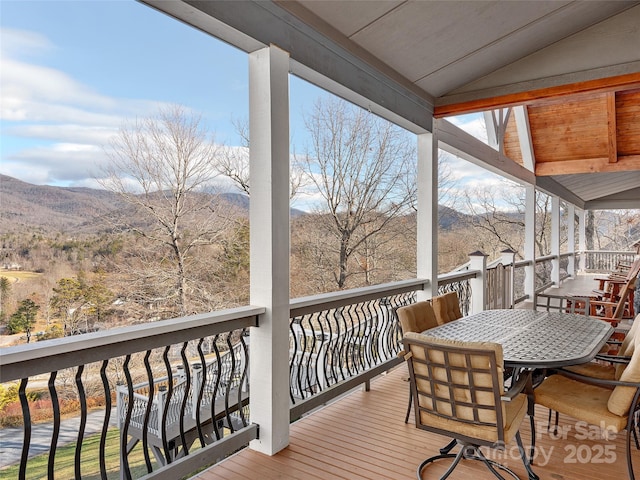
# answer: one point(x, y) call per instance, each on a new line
point(363, 436)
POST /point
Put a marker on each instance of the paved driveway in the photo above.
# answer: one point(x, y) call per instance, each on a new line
point(11, 438)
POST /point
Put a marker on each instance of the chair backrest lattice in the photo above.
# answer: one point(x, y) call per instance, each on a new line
point(458, 387)
point(559, 303)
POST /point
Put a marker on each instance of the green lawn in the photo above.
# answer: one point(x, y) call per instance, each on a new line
point(65, 456)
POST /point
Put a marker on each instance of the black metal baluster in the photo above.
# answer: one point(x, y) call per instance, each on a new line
point(369, 333)
point(292, 371)
point(216, 388)
point(55, 405)
point(339, 357)
point(105, 423)
point(333, 346)
point(303, 368)
point(165, 408)
point(26, 415)
point(227, 392)
point(314, 353)
point(124, 431)
point(203, 382)
point(185, 397)
point(347, 317)
point(243, 377)
point(385, 329)
point(83, 421)
point(147, 412)
point(319, 354)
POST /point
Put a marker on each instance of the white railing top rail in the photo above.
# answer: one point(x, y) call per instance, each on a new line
point(453, 277)
point(24, 361)
point(327, 301)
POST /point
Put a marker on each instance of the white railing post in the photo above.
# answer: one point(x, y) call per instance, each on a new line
point(427, 219)
point(571, 240)
point(555, 241)
point(582, 239)
point(530, 242)
point(509, 258)
point(478, 261)
point(269, 211)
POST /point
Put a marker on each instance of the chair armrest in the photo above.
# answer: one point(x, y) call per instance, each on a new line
point(596, 381)
point(613, 358)
point(517, 387)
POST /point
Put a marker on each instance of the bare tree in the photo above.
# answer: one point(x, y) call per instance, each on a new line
point(359, 164)
point(233, 162)
point(497, 218)
point(163, 167)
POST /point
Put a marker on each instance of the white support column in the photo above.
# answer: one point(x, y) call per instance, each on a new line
point(571, 239)
point(529, 242)
point(478, 261)
point(555, 240)
point(582, 238)
point(427, 219)
point(269, 216)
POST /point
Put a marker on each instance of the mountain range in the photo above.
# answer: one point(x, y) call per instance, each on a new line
point(25, 207)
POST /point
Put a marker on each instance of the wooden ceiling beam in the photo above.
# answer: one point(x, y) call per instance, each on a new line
point(589, 165)
point(602, 85)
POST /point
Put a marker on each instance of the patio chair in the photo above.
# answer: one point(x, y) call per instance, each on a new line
point(611, 288)
point(606, 284)
point(446, 307)
point(608, 366)
point(561, 303)
point(416, 318)
point(608, 404)
point(614, 311)
point(458, 392)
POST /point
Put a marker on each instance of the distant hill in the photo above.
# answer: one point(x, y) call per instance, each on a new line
point(28, 207)
point(25, 207)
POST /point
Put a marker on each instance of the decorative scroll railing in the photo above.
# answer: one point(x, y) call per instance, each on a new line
point(599, 261)
point(165, 411)
point(161, 418)
point(343, 339)
point(458, 282)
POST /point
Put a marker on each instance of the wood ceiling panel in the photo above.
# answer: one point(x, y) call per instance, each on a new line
point(628, 122)
point(574, 130)
point(512, 142)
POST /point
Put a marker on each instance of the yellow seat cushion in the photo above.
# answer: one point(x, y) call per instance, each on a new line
point(580, 401)
point(446, 307)
point(417, 317)
point(594, 370)
point(622, 396)
point(513, 412)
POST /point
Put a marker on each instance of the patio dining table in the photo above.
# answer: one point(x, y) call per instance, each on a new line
point(532, 339)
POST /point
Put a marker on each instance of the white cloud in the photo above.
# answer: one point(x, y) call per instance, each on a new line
point(54, 127)
point(472, 123)
point(15, 42)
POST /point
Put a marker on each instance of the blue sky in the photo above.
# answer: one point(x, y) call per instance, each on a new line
point(72, 72)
